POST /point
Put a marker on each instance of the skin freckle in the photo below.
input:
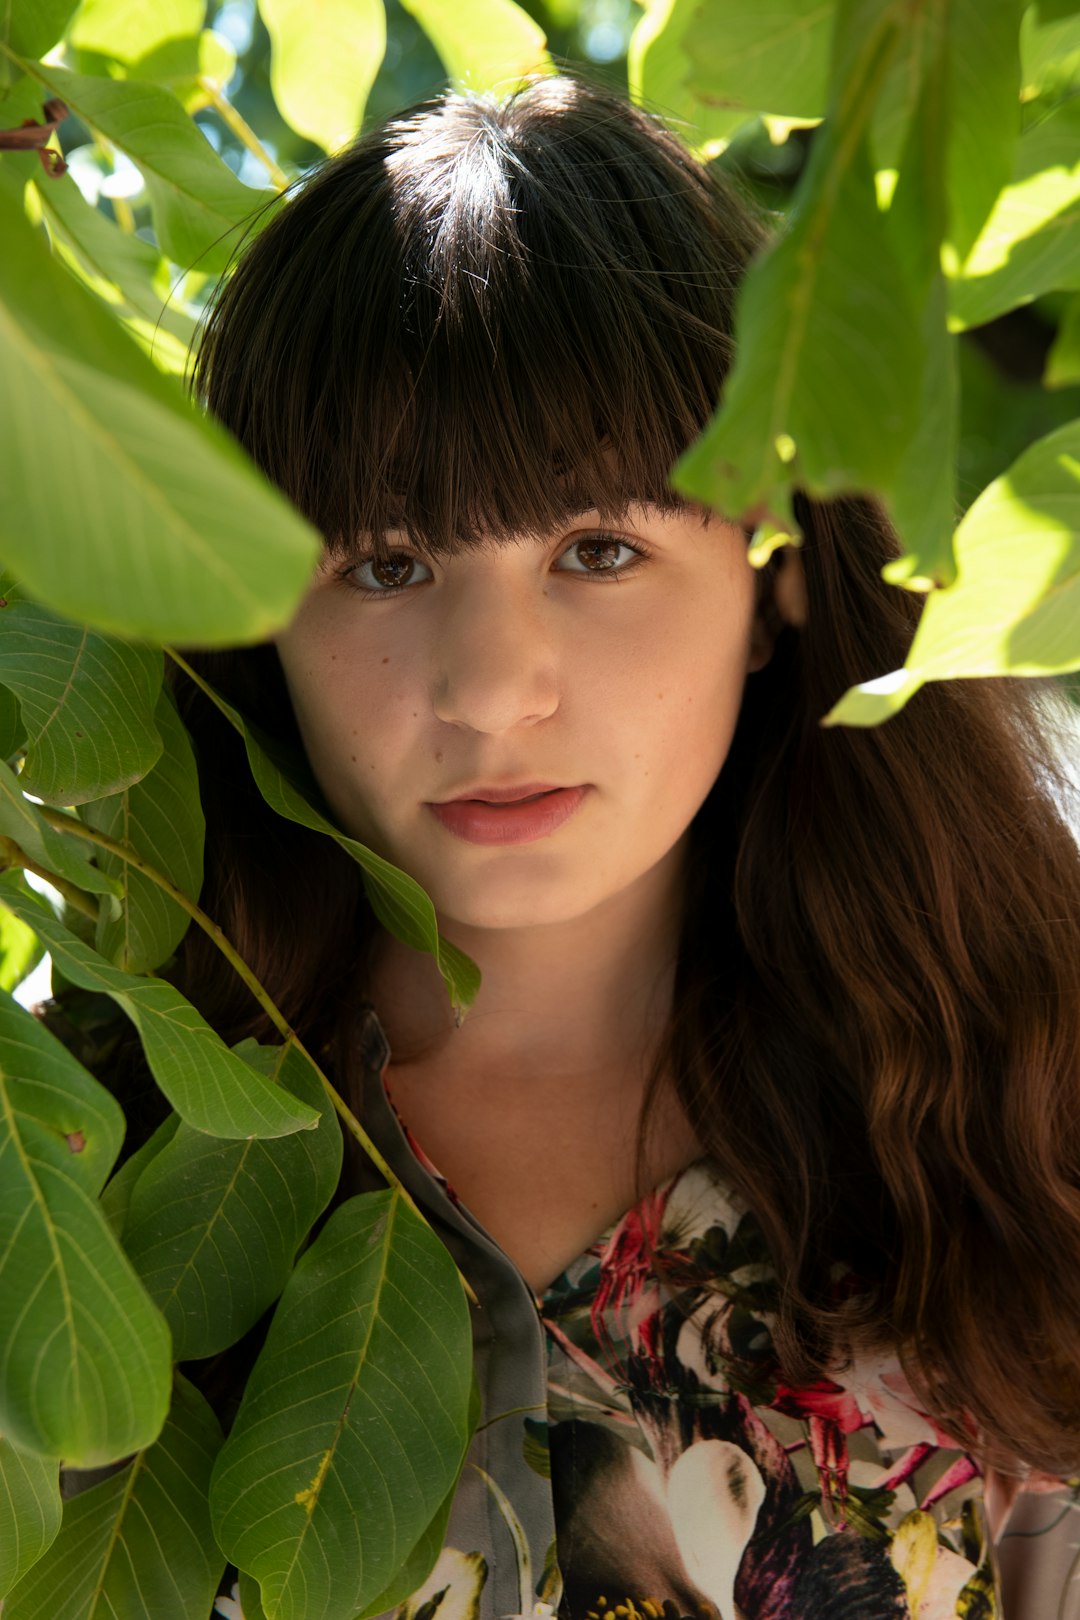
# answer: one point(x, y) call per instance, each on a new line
point(386, 660)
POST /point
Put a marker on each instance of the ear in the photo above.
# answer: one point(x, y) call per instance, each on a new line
point(781, 601)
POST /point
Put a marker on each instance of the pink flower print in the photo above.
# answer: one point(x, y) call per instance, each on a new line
point(830, 1414)
point(628, 1287)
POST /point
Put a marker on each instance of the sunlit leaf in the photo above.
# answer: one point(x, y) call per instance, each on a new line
point(193, 69)
point(1063, 360)
point(484, 44)
point(1049, 52)
point(159, 818)
point(824, 389)
point(139, 1545)
point(209, 1086)
point(159, 527)
point(332, 1473)
point(200, 208)
point(20, 948)
point(127, 29)
point(55, 851)
point(772, 58)
point(657, 68)
point(984, 93)
point(84, 1359)
point(32, 27)
point(87, 702)
point(29, 1510)
point(1015, 605)
point(213, 1226)
point(1031, 242)
point(401, 905)
point(325, 55)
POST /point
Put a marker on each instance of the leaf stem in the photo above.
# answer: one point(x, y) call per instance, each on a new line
point(79, 829)
point(12, 856)
point(243, 132)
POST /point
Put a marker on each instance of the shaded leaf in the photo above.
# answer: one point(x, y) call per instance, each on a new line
point(771, 59)
point(200, 208)
point(160, 818)
point(127, 29)
point(213, 1226)
point(84, 1365)
point(32, 27)
point(176, 535)
point(658, 65)
point(140, 1543)
point(333, 1471)
point(209, 1086)
point(29, 1510)
point(325, 55)
point(116, 1194)
point(1049, 51)
point(984, 92)
point(56, 851)
point(483, 44)
point(824, 388)
point(1063, 360)
point(1015, 605)
point(398, 901)
point(87, 702)
point(1031, 242)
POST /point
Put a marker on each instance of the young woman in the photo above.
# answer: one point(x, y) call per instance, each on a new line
point(760, 1144)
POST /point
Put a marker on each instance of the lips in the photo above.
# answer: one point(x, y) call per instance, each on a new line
point(519, 792)
point(519, 816)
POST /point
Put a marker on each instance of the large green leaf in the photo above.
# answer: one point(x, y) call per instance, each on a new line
point(55, 851)
point(84, 1365)
point(213, 1226)
point(128, 274)
point(32, 27)
point(196, 69)
point(355, 1418)
point(116, 1194)
point(1015, 605)
point(984, 93)
point(159, 818)
point(29, 1510)
point(325, 55)
point(200, 208)
point(160, 528)
point(1049, 52)
point(657, 67)
point(824, 389)
point(138, 1546)
point(484, 44)
point(209, 1086)
point(771, 59)
point(398, 901)
point(87, 702)
point(1031, 242)
point(1063, 360)
point(127, 29)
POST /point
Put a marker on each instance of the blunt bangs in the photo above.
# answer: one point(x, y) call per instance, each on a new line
point(481, 320)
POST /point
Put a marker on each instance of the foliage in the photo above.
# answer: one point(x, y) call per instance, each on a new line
point(921, 157)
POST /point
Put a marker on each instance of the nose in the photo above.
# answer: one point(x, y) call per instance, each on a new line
point(495, 665)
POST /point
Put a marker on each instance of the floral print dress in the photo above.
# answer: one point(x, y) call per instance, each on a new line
point(623, 1470)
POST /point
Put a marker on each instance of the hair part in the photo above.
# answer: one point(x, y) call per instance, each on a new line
point(478, 320)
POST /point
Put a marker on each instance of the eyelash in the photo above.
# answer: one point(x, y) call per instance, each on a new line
point(614, 574)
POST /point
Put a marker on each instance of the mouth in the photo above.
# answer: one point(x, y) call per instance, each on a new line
point(517, 815)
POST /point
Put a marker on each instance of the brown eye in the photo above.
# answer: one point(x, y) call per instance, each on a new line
point(387, 574)
point(601, 554)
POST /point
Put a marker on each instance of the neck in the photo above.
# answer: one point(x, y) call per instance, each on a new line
point(587, 998)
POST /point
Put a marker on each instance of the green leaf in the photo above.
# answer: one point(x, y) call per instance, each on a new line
point(824, 389)
point(159, 818)
point(483, 44)
point(1049, 53)
point(421, 1562)
point(12, 730)
point(398, 901)
point(128, 274)
point(139, 1546)
point(57, 852)
point(1063, 361)
point(770, 59)
point(200, 208)
point(160, 527)
point(84, 1365)
point(127, 29)
point(1015, 606)
point(87, 702)
point(326, 1485)
point(29, 1510)
point(984, 90)
point(657, 68)
point(32, 27)
point(209, 1086)
point(213, 1226)
point(194, 69)
point(116, 1194)
point(324, 58)
point(20, 948)
point(1031, 242)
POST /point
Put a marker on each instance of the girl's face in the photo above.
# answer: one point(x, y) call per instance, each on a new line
point(608, 662)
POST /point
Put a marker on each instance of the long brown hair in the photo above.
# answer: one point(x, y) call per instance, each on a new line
point(478, 319)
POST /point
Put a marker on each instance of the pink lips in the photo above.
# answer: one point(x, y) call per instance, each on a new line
point(532, 813)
